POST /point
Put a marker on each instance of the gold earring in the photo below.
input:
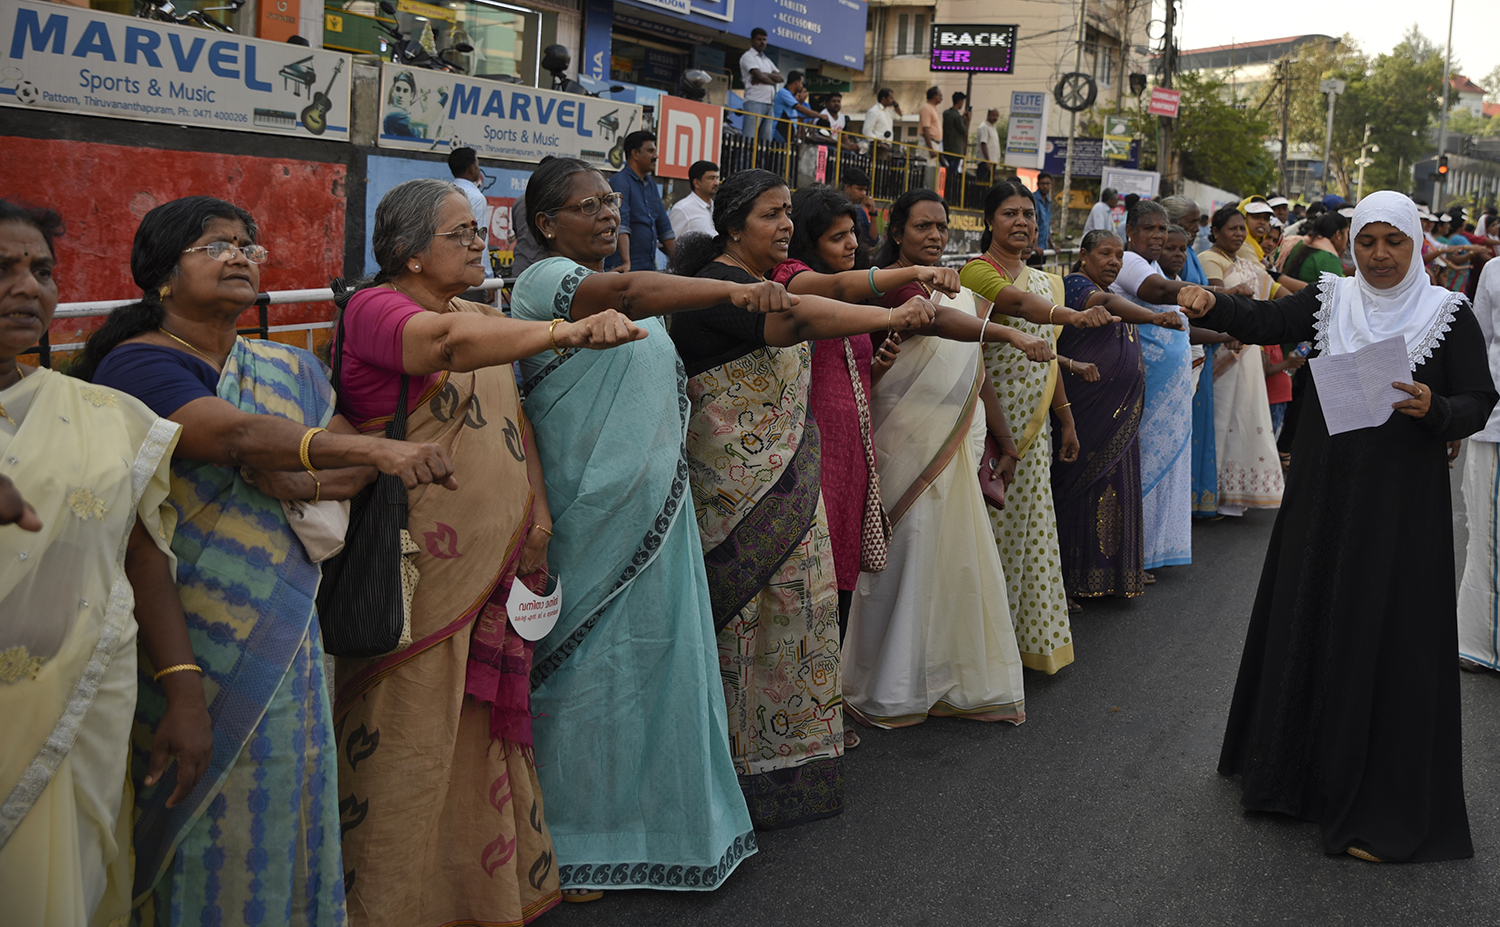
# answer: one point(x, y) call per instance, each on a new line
point(164, 292)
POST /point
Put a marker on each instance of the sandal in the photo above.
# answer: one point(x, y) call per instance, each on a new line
point(1149, 578)
point(1073, 605)
point(581, 895)
point(1357, 853)
point(851, 739)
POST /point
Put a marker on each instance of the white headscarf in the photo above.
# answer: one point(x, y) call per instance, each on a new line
point(1354, 313)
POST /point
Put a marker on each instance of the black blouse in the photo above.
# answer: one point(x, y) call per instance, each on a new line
point(707, 338)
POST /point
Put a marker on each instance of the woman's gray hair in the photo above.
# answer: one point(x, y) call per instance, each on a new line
point(406, 222)
point(1141, 210)
point(1095, 237)
point(1177, 207)
point(1175, 229)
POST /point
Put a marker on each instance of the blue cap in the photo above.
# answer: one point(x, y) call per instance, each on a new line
point(1333, 201)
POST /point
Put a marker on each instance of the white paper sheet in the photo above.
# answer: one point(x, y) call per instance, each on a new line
point(1355, 389)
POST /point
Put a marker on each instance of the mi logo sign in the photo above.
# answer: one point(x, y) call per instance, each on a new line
point(687, 132)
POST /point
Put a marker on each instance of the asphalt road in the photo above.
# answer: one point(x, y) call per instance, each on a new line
point(1103, 808)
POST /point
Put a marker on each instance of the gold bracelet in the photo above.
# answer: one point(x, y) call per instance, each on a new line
point(1070, 363)
point(307, 447)
point(317, 489)
point(178, 668)
point(1050, 313)
point(552, 333)
point(540, 528)
point(1061, 407)
point(889, 314)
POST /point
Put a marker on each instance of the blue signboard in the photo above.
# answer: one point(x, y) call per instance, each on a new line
point(1088, 160)
point(830, 30)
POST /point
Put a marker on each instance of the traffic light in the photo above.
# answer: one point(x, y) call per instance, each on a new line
point(1442, 173)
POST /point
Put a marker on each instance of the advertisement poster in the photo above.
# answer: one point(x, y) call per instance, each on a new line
point(424, 110)
point(1116, 137)
point(830, 30)
point(1027, 129)
point(501, 190)
point(1145, 184)
point(1089, 160)
point(689, 132)
point(64, 59)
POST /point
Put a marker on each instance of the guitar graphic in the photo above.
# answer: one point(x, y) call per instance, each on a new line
point(617, 154)
point(315, 116)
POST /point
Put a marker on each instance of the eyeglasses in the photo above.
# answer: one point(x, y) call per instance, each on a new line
point(467, 235)
point(590, 206)
point(223, 251)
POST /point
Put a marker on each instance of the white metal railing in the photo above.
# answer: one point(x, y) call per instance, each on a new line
point(101, 307)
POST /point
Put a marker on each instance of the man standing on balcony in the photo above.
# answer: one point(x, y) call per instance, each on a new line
point(833, 113)
point(989, 147)
point(788, 107)
point(643, 218)
point(930, 125)
point(955, 145)
point(878, 123)
point(760, 77)
point(695, 212)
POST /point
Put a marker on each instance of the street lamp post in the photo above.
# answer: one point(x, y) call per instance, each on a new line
point(1332, 87)
point(1364, 162)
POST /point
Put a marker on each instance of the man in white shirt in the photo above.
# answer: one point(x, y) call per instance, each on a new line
point(833, 114)
point(760, 77)
point(1101, 214)
point(463, 163)
point(878, 121)
point(695, 212)
point(989, 147)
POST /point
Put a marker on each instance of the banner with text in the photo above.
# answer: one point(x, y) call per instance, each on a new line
point(68, 60)
point(832, 30)
point(424, 110)
point(1027, 130)
point(687, 132)
point(1088, 158)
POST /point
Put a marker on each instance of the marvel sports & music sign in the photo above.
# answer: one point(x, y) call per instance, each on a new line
point(70, 60)
point(991, 49)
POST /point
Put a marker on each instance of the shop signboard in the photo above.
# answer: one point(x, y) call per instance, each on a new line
point(65, 59)
point(1088, 160)
point(688, 132)
point(1145, 184)
point(1116, 137)
point(1027, 128)
point(424, 110)
point(1164, 102)
point(989, 49)
point(830, 30)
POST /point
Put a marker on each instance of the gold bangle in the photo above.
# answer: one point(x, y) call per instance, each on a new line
point(552, 333)
point(317, 489)
point(1061, 407)
point(889, 315)
point(307, 447)
point(1050, 313)
point(178, 668)
point(540, 528)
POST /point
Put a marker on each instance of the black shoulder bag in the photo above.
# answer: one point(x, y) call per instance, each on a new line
point(364, 600)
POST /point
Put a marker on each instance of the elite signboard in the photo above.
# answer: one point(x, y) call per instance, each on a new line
point(64, 59)
point(986, 48)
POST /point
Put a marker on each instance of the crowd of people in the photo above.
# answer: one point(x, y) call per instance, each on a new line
point(841, 489)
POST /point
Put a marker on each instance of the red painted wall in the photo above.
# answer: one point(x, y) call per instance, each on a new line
point(102, 191)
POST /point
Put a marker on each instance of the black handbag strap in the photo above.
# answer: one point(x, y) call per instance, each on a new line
point(396, 429)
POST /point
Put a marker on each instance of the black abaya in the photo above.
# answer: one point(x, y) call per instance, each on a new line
point(1346, 710)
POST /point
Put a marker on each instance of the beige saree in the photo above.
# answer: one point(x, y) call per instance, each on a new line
point(931, 634)
point(90, 460)
point(438, 794)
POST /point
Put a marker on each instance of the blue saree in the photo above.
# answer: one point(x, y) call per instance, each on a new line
point(1205, 454)
point(257, 841)
point(631, 728)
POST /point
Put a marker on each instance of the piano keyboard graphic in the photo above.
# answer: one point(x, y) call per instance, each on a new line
point(275, 119)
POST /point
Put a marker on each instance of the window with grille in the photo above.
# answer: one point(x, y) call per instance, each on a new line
point(911, 34)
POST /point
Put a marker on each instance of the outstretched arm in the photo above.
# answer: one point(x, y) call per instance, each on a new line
point(642, 295)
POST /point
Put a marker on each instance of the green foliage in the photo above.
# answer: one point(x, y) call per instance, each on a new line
point(1397, 95)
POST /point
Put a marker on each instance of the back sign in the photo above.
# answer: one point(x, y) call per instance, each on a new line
point(686, 132)
point(1164, 102)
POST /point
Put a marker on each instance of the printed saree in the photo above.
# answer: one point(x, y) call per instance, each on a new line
point(1098, 495)
point(1026, 529)
point(753, 464)
point(258, 836)
point(438, 794)
point(631, 732)
point(90, 460)
point(931, 633)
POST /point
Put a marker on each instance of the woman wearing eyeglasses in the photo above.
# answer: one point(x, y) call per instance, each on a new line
point(443, 818)
point(261, 826)
point(628, 680)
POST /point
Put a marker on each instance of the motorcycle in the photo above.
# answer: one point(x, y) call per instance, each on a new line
point(410, 51)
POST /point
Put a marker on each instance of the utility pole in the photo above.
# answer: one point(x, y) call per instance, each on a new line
point(1067, 194)
point(1332, 87)
point(1438, 189)
point(1286, 100)
point(1124, 54)
point(1365, 161)
point(1164, 160)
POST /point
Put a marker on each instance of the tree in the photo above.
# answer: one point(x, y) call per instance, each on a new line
point(1417, 46)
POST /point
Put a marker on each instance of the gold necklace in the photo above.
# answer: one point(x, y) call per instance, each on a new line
point(218, 365)
point(745, 267)
point(20, 375)
point(1013, 274)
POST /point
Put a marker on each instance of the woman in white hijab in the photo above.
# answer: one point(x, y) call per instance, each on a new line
point(1346, 711)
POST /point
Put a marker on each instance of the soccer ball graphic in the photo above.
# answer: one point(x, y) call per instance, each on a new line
point(27, 93)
